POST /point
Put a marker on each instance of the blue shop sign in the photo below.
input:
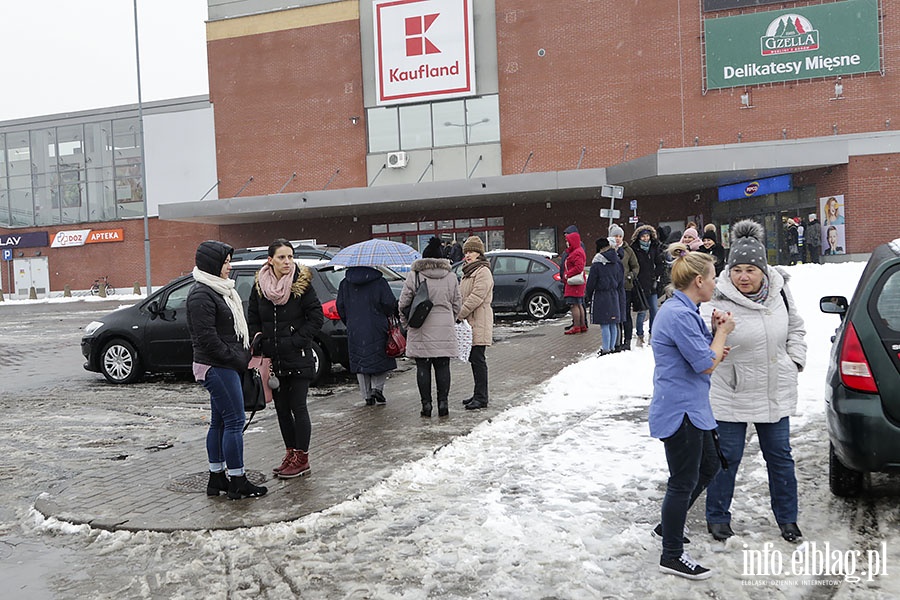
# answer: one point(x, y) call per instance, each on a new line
point(757, 187)
point(35, 239)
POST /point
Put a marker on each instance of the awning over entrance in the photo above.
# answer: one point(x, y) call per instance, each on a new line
point(672, 171)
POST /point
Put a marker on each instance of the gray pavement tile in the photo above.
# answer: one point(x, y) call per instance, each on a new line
point(353, 447)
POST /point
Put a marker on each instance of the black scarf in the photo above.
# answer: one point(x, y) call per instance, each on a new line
point(470, 268)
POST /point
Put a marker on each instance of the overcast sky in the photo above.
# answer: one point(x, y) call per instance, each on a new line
point(69, 55)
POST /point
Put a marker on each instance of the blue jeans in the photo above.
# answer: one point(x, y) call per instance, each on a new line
point(653, 301)
point(693, 462)
point(775, 443)
point(609, 332)
point(225, 440)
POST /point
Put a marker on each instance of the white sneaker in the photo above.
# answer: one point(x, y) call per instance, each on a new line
point(684, 566)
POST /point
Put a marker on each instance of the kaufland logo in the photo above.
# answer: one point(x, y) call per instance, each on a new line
point(424, 50)
point(789, 33)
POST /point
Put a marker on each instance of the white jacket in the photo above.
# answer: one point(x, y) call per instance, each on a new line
point(757, 382)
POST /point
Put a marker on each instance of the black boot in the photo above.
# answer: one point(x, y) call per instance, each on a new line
point(443, 409)
point(239, 487)
point(218, 482)
point(426, 408)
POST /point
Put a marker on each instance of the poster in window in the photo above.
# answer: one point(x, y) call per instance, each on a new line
point(542, 238)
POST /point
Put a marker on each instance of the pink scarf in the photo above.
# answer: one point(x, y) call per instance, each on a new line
point(278, 291)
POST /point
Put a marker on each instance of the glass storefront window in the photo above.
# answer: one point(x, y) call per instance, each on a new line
point(379, 229)
point(449, 122)
point(384, 133)
point(426, 225)
point(478, 222)
point(445, 224)
point(5, 218)
point(483, 119)
point(398, 227)
point(415, 126)
point(463, 223)
point(21, 207)
point(495, 222)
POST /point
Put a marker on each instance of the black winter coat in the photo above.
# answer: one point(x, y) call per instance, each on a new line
point(211, 324)
point(605, 290)
point(653, 266)
point(364, 302)
point(288, 329)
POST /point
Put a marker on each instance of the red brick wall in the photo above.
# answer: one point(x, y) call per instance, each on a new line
point(618, 73)
point(283, 103)
point(871, 209)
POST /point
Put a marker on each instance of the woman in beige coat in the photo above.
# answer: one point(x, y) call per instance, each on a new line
point(477, 288)
point(434, 342)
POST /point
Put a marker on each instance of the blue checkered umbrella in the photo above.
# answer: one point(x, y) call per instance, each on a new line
point(374, 253)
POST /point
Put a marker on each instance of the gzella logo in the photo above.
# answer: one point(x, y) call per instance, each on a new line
point(416, 42)
point(789, 33)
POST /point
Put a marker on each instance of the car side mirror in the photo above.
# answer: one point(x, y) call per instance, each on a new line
point(153, 309)
point(835, 305)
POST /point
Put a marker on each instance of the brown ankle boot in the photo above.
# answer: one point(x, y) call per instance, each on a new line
point(284, 461)
point(299, 465)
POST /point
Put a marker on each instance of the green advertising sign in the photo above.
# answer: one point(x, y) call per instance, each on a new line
point(824, 40)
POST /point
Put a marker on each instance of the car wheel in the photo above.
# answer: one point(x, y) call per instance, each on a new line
point(323, 365)
point(842, 480)
point(539, 305)
point(120, 363)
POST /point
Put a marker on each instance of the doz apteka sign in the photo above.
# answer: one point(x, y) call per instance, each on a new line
point(424, 50)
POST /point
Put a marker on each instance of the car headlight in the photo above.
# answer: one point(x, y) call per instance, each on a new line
point(93, 327)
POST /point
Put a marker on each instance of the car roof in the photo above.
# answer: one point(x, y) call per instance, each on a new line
point(512, 251)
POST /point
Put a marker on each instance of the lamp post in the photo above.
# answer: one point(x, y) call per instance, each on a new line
point(137, 58)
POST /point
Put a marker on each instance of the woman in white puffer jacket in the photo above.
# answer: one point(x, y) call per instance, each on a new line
point(757, 382)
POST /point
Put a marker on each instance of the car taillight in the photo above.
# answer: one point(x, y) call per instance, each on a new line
point(330, 310)
point(855, 371)
point(556, 276)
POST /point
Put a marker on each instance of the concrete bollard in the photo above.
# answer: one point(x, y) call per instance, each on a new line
point(136, 290)
point(67, 291)
point(102, 293)
point(32, 293)
point(2, 299)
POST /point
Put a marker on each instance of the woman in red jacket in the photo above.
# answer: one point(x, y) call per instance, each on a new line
point(574, 291)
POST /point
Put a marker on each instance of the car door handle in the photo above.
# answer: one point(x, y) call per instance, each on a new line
point(521, 280)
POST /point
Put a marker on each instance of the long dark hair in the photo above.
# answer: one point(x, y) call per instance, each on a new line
point(274, 246)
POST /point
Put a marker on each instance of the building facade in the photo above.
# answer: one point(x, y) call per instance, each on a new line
point(511, 119)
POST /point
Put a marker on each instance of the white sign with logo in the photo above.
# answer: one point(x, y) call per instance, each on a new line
point(424, 50)
point(70, 238)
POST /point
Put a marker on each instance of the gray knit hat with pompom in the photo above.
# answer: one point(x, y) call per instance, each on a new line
point(748, 245)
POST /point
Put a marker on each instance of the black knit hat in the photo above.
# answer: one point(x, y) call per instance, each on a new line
point(433, 249)
point(211, 255)
point(709, 235)
point(602, 244)
point(747, 245)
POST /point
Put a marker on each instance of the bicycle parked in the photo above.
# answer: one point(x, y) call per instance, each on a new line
point(103, 280)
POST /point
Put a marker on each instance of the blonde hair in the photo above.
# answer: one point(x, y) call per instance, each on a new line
point(688, 265)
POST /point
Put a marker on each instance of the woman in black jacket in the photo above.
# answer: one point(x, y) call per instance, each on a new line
point(651, 258)
point(220, 343)
point(284, 308)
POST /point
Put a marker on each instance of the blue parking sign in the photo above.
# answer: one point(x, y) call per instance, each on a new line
point(7, 254)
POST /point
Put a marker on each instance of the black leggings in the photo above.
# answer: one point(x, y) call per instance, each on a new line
point(441, 376)
point(293, 416)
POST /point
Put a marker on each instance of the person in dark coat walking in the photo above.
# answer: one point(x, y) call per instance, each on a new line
point(650, 256)
point(221, 342)
point(456, 253)
point(286, 313)
point(434, 343)
point(365, 302)
point(604, 290)
point(813, 240)
point(632, 270)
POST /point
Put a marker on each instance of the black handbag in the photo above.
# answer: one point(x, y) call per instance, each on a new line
point(420, 307)
point(639, 301)
point(254, 393)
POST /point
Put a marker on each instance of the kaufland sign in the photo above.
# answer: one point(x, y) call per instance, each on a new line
point(424, 50)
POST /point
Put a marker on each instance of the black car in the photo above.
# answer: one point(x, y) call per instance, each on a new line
point(862, 391)
point(525, 281)
point(152, 336)
point(301, 251)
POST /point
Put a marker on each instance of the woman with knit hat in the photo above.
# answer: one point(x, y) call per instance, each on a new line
point(432, 344)
point(477, 289)
point(757, 382)
point(221, 345)
point(691, 238)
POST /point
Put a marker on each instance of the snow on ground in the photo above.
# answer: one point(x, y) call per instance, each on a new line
point(553, 499)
